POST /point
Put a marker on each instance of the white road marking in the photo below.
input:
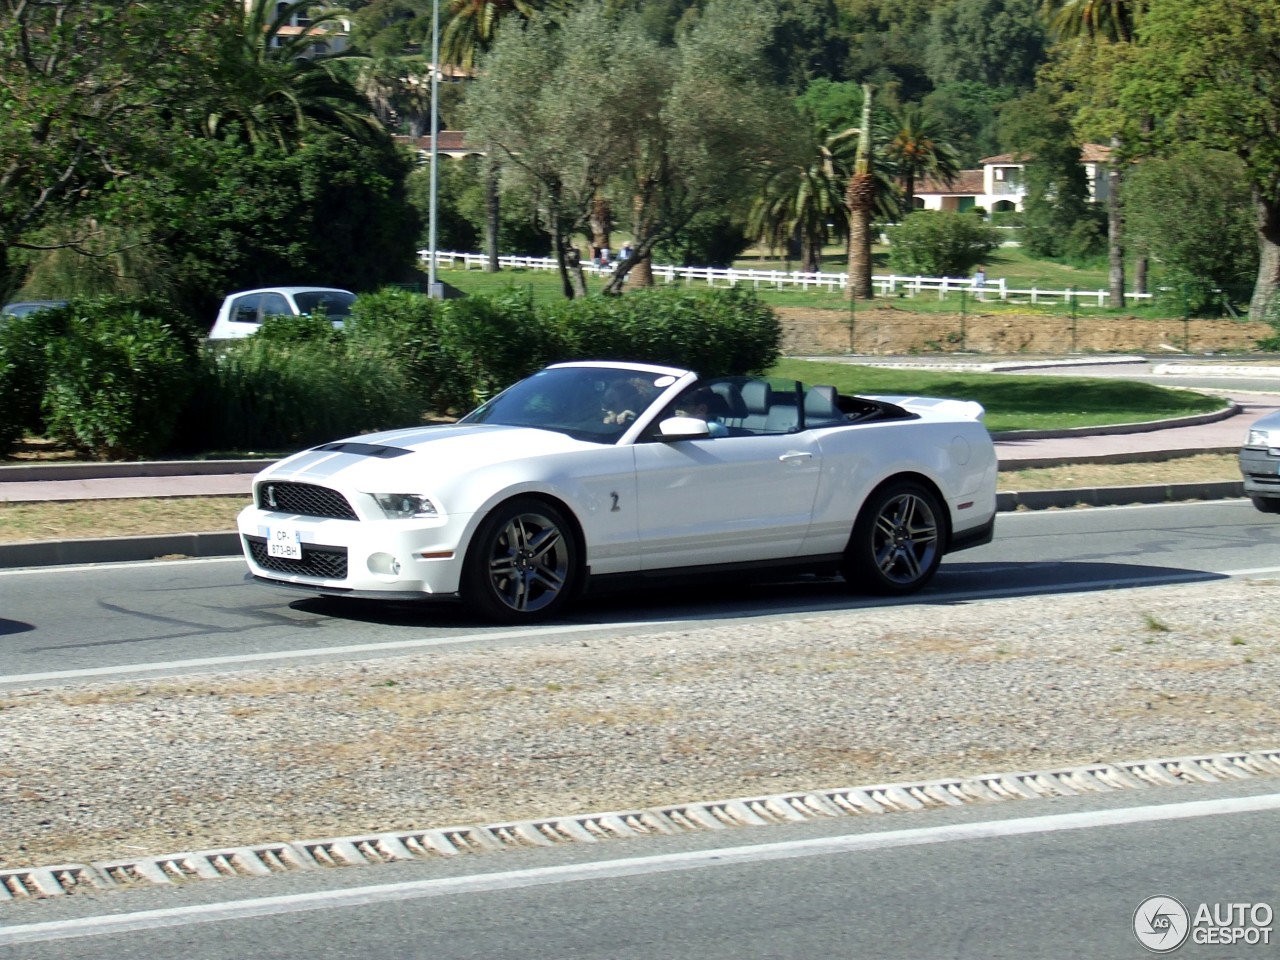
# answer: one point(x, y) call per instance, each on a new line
point(347, 650)
point(630, 867)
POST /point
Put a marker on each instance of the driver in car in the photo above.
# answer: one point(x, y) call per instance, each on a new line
point(705, 404)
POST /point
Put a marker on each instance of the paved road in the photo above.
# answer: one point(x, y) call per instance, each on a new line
point(147, 619)
point(1027, 880)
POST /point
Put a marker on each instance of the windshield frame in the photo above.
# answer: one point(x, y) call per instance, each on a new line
point(575, 400)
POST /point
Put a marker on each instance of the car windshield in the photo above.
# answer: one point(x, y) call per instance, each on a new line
point(335, 303)
point(588, 403)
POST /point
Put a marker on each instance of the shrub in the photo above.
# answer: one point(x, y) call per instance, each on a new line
point(24, 368)
point(259, 394)
point(716, 332)
point(497, 340)
point(939, 243)
point(404, 327)
point(308, 328)
point(117, 379)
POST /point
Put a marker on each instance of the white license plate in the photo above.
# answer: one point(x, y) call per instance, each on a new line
point(284, 542)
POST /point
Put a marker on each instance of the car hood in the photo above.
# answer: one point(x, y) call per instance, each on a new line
point(386, 462)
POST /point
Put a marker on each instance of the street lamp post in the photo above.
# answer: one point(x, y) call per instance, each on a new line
point(435, 289)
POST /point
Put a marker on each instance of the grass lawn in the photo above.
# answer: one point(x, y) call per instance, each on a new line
point(1015, 402)
point(1009, 263)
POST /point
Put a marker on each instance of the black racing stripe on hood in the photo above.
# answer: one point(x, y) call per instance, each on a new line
point(363, 449)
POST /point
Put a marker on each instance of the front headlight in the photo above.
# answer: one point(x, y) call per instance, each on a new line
point(405, 506)
point(1258, 438)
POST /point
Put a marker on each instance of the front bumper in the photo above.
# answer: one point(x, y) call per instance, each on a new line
point(381, 558)
point(1260, 468)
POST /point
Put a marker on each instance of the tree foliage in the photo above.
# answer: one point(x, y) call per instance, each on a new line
point(92, 96)
point(597, 107)
point(996, 42)
point(1059, 219)
point(1208, 72)
point(1192, 212)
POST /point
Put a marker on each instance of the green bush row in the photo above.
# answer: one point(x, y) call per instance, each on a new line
point(118, 379)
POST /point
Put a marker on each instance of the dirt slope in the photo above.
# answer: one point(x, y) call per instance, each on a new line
point(881, 330)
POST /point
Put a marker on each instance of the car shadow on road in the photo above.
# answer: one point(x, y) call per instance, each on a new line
point(718, 600)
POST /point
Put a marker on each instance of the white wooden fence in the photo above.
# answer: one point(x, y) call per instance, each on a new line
point(943, 287)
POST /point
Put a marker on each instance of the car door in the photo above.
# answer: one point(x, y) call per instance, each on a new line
point(725, 499)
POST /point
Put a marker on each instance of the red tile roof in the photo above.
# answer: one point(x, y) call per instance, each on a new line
point(965, 182)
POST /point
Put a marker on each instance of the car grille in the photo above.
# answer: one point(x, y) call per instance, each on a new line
point(305, 499)
point(326, 563)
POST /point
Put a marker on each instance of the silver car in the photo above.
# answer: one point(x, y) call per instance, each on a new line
point(1260, 463)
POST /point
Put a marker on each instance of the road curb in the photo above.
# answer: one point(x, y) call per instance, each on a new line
point(51, 472)
point(57, 553)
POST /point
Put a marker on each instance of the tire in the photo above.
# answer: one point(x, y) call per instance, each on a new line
point(1266, 504)
point(897, 541)
point(522, 565)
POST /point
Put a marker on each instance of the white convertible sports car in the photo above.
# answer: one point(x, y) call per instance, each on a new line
point(587, 474)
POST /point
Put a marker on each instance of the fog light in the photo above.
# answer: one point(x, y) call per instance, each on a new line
point(384, 564)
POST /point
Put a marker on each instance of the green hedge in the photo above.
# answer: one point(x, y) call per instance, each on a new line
point(116, 380)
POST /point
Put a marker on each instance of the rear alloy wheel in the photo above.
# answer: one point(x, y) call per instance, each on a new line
point(522, 565)
point(897, 541)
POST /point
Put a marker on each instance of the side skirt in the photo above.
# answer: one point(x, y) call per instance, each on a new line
point(826, 565)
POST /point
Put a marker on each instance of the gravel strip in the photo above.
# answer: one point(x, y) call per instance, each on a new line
point(110, 770)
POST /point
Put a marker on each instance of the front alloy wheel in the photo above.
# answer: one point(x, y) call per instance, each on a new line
point(897, 541)
point(522, 565)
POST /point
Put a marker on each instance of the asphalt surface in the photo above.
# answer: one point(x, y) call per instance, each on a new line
point(1221, 432)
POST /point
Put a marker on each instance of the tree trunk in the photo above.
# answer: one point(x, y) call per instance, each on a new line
point(1115, 227)
point(860, 255)
point(860, 199)
point(600, 219)
point(1265, 305)
point(1140, 266)
point(809, 254)
point(641, 275)
point(573, 265)
point(492, 211)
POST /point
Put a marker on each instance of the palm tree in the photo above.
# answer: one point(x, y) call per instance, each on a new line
point(1111, 20)
point(798, 202)
point(916, 147)
point(470, 32)
point(273, 86)
point(1104, 21)
point(860, 198)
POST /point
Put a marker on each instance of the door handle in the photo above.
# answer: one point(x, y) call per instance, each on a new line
point(796, 458)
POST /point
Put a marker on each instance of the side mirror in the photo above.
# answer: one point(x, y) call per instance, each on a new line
point(683, 428)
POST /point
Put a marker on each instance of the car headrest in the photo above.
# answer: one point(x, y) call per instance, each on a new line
point(756, 396)
point(820, 402)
